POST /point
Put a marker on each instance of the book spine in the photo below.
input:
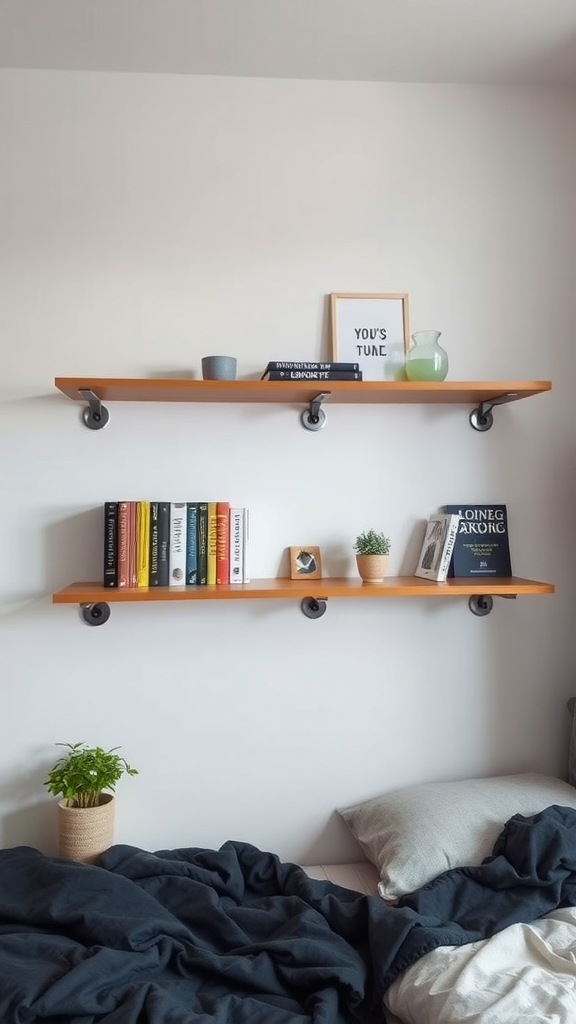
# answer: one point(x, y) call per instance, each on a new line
point(123, 543)
point(278, 364)
point(313, 375)
point(236, 544)
point(153, 555)
point(191, 543)
point(245, 546)
point(111, 544)
point(202, 543)
point(212, 544)
point(163, 543)
point(143, 542)
point(132, 551)
point(448, 549)
point(223, 542)
point(177, 553)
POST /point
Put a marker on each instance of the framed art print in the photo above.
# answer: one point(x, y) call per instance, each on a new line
point(305, 563)
point(372, 329)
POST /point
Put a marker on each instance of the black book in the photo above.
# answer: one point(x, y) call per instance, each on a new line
point(153, 576)
point(312, 375)
point(482, 546)
point(337, 367)
point(110, 544)
point(202, 543)
point(163, 544)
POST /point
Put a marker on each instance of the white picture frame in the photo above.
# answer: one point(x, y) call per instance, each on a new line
point(371, 329)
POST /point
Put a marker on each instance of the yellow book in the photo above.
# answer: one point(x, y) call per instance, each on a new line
point(142, 543)
point(212, 542)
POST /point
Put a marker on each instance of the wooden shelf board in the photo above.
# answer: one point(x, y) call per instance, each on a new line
point(117, 389)
point(393, 586)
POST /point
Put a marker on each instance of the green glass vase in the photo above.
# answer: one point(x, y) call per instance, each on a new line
point(426, 359)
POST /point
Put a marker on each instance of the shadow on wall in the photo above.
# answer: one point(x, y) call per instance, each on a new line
point(335, 835)
point(73, 548)
point(34, 822)
point(35, 825)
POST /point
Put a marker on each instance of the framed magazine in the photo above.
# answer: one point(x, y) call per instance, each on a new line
point(372, 329)
point(437, 547)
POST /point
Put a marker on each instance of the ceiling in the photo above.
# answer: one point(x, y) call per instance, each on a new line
point(523, 42)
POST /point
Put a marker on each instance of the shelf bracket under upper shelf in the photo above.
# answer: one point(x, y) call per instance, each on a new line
point(314, 417)
point(96, 415)
point(481, 417)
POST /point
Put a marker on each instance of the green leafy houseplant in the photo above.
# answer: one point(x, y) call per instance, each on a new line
point(372, 543)
point(80, 775)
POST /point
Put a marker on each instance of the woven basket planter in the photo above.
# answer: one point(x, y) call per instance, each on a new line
point(86, 832)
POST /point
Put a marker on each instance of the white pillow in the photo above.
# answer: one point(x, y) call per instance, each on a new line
point(413, 834)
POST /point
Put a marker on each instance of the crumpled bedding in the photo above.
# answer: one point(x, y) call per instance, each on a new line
point(525, 974)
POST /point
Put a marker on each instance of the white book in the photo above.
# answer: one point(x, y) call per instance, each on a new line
point(437, 547)
point(177, 552)
point(245, 547)
point(236, 545)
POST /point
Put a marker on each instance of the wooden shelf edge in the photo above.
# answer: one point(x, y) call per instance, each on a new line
point(122, 389)
point(270, 589)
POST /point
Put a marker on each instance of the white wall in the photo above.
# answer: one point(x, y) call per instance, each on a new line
point(148, 220)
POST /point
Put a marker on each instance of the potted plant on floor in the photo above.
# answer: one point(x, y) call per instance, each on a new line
point(372, 555)
point(85, 779)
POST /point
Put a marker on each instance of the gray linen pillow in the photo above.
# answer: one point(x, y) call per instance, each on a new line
point(413, 834)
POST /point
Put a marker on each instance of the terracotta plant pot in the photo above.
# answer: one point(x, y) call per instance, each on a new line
point(86, 832)
point(372, 568)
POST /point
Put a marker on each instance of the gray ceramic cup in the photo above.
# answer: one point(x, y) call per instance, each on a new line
point(219, 368)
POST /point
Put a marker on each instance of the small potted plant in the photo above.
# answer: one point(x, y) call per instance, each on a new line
point(372, 555)
point(85, 778)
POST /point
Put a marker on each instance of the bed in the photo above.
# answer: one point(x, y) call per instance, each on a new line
point(463, 909)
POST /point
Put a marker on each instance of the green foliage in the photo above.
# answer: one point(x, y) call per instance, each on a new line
point(80, 775)
point(372, 543)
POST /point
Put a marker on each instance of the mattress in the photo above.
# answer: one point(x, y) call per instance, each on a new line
point(360, 877)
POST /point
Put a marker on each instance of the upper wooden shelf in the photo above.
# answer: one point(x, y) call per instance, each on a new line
point(120, 389)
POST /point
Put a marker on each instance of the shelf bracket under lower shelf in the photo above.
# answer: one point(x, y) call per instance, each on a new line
point(314, 417)
point(96, 415)
point(98, 613)
point(481, 417)
point(482, 604)
point(313, 607)
point(95, 614)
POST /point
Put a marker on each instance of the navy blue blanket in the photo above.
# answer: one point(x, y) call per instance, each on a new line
point(234, 936)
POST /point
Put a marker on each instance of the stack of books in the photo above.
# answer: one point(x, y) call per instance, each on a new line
point(175, 543)
point(278, 370)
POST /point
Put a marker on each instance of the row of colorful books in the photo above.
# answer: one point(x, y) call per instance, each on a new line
point(175, 543)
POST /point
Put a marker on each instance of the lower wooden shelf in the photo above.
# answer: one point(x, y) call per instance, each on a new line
point(312, 593)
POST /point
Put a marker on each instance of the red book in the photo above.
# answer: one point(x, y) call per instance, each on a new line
point(123, 543)
point(223, 542)
point(132, 545)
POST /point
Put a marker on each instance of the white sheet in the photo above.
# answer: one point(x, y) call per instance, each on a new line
point(525, 974)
